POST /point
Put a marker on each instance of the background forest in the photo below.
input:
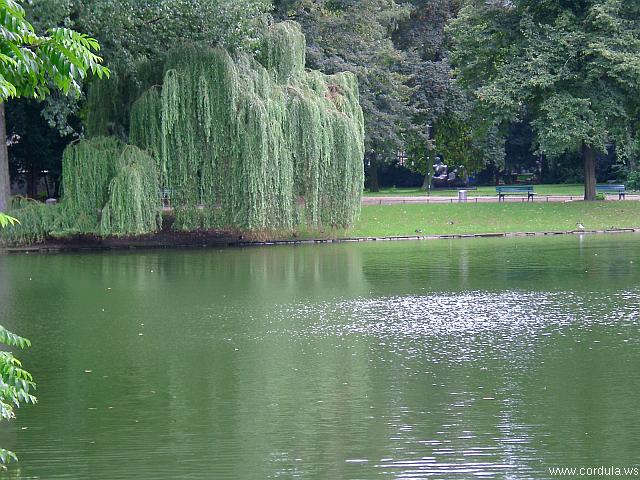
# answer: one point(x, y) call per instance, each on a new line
point(469, 81)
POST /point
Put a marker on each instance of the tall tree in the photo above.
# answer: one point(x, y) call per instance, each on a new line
point(31, 64)
point(435, 96)
point(572, 67)
point(422, 37)
point(357, 36)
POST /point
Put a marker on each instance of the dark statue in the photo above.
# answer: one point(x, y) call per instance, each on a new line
point(445, 178)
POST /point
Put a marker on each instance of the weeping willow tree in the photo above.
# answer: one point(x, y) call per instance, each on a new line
point(241, 142)
point(283, 51)
point(146, 129)
point(133, 206)
point(238, 142)
point(87, 170)
point(109, 101)
point(110, 188)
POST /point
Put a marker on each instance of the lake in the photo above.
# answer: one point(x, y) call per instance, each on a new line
point(496, 358)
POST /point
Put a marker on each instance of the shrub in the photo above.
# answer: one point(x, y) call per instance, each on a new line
point(633, 180)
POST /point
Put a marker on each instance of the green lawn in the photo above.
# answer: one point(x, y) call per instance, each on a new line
point(444, 219)
point(560, 189)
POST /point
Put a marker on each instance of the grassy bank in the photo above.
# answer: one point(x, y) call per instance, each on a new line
point(560, 189)
point(445, 219)
point(405, 220)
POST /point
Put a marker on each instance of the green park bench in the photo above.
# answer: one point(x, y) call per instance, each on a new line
point(503, 190)
point(619, 189)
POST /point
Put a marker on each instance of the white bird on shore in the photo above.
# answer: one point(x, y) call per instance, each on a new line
point(580, 226)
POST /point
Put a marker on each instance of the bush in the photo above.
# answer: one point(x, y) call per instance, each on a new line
point(35, 221)
point(633, 180)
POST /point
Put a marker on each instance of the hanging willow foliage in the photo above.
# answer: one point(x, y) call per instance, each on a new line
point(146, 130)
point(109, 188)
point(87, 170)
point(133, 206)
point(240, 141)
point(283, 51)
point(109, 100)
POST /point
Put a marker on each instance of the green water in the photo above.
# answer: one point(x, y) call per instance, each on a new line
point(463, 359)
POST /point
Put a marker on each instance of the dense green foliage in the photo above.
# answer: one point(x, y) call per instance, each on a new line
point(352, 36)
point(88, 168)
point(234, 143)
point(35, 222)
point(131, 29)
point(633, 180)
point(110, 184)
point(522, 68)
point(399, 53)
point(16, 384)
point(237, 143)
point(132, 208)
point(110, 189)
point(572, 69)
point(32, 64)
point(132, 32)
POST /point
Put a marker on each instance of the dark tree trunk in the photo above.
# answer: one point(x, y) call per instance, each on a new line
point(5, 184)
point(32, 186)
point(46, 185)
point(589, 158)
point(374, 182)
point(426, 182)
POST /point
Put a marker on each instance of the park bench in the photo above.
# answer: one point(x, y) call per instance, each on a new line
point(503, 190)
point(619, 189)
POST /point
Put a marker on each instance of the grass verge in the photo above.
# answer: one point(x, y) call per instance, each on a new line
point(411, 220)
point(471, 218)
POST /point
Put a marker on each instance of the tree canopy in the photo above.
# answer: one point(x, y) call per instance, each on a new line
point(573, 68)
point(343, 35)
point(32, 64)
point(474, 81)
point(129, 29)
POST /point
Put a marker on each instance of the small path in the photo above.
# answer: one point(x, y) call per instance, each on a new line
point(395, 200)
